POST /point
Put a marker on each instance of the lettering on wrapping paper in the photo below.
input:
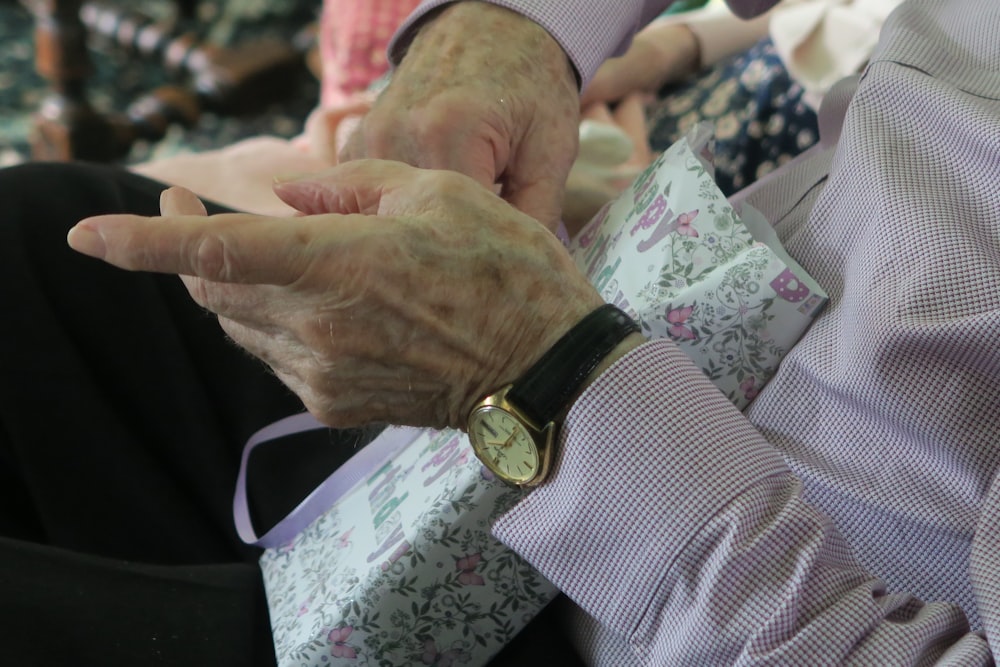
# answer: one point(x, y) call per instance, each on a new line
point(445, 459)
point(604, 277)
point(588, 233)
point(393, 538)
point(383, 503)
point(403, 547)
point(811, 305)
point(598, 254)
point(657, 212)
point(789, 287)
point(614, 295)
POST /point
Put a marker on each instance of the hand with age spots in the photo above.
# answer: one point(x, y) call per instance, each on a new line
point(507, 114)
point(402, 295)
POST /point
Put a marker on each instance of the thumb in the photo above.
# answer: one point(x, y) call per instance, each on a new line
point(180, 201)
point(447, 135)
point(541, 199)
point(480, 153)
point(535, 181)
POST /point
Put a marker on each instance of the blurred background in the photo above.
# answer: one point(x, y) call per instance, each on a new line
point(120, 76)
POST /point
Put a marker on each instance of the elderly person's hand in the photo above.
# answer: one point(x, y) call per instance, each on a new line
point(423, 293)
point(504, 112)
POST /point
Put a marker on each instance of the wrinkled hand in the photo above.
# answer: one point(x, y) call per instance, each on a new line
point(661, 53)
point(485, 92)
point(423, 293)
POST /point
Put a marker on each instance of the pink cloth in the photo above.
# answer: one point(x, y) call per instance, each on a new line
point(354, 35)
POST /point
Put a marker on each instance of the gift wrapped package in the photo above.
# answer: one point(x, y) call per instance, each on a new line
point(391, 561)
point(399, 568)
point(673, 253)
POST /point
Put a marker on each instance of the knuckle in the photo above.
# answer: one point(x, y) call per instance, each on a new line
point(213, 259)
point(435, 124)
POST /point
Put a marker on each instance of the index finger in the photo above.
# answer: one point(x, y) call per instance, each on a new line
point(227, 248)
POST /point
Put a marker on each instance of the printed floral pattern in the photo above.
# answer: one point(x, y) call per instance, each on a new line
point(674, 253)
point(760, 119)
point(352, 590)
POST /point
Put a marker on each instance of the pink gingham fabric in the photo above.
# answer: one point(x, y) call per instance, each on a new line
point(852, 514)
point(354, 35)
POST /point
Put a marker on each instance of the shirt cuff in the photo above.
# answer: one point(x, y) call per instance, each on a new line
point(589, 32)
point(650, 452)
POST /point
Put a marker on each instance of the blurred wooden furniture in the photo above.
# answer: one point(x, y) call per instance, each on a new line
point(225, 80)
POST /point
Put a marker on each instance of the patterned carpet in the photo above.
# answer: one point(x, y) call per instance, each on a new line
point(119, 79)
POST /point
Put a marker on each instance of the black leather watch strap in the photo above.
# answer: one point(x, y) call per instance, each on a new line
point(549, 384)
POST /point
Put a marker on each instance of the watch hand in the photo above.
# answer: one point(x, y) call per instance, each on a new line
point(509, 441)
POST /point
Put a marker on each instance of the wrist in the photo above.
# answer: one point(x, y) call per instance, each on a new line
point(502, 38)
point(514, 430)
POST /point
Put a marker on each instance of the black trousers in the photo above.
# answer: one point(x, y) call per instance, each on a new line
point(123, 413)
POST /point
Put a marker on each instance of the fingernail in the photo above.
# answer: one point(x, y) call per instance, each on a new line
point(167, 201)
point(84, 239)
point(180, 201)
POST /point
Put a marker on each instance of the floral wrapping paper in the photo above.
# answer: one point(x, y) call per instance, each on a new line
point(676, 256)
point(403, 569)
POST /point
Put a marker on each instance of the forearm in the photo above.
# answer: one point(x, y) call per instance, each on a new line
point(685, 534)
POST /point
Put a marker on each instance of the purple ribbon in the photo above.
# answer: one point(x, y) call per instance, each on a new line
point(323, 497)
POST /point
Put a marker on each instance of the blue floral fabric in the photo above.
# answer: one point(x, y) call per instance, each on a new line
point(760, 119)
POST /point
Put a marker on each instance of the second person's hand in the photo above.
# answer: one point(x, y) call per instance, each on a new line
point(505, 112)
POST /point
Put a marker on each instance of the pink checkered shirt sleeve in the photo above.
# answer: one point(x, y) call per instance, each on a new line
point(852, 514)
point(588, 30)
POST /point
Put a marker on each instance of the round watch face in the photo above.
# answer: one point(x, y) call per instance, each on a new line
point(504, 444)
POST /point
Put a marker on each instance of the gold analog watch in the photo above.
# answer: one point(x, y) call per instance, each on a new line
point(513, 431)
